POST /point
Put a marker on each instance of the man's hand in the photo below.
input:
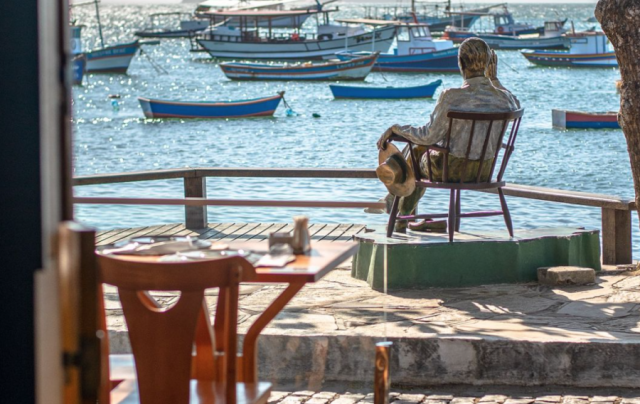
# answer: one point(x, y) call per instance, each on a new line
point(492, 67)
point(382, 142)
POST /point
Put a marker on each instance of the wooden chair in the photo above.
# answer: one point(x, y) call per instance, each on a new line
point(455, 188)
point(162, 339)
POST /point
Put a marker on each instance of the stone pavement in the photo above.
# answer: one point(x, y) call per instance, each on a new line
point(516, 334)
point(460, 395)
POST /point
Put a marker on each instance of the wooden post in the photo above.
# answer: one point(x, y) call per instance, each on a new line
point(616, 236)
point(195, 217)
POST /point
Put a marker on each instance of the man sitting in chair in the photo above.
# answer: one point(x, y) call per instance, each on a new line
point(480, 92)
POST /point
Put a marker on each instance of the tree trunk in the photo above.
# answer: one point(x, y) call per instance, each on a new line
point(620, 20)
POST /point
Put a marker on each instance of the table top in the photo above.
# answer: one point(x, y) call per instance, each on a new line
point(307, 268)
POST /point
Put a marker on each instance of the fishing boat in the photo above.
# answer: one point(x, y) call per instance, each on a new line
point(503, 21)
point(384, 93)
point(254, 5)
point(586, 49)
point(354, 69)
point(109, 59)
point(551, 37)
point(247, 41)
point(563, 119)
point(416, 50)
point(154, 108)
point(436, 14)
point(172, 25)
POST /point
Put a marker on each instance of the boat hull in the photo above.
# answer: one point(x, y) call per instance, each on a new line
point(566, 59)
point(355, 69)
point(112, 59)
point(180, 33)
point(384, 93)
point(295, 50)
point(445, 61)
point(584, 120)
point(209, 110)
point(505, 42)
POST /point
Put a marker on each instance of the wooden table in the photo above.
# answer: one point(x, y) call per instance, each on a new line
point(305, 269)
point(308, 268)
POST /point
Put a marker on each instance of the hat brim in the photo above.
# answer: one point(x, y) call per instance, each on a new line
point(406, 187)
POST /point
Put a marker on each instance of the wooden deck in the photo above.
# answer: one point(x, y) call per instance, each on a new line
point(232, 232)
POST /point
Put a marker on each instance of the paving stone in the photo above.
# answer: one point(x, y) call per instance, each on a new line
point(443, 397)
point(304, 393)
point(348, 399)
point(463, 400)
point(292, 399)
point(427, 401)
point(328, 395)
point(601, 399)
point(550, 399)
point(575, 400)
point(411, 398)
point(276, 396)
point(317, 401)
point(494, 398)
point(630, 400)
point(519, 401)
point(596, 309)
point(566, 275)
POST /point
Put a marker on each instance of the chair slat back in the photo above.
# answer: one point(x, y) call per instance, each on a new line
point(491, 120)
point(162, 339)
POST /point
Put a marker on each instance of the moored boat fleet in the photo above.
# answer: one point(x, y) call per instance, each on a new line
point(249, 36)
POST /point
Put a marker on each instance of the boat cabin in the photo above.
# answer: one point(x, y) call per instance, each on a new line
point(589, 42)
point(505, 24)
point(415, 39)
point(553, 29)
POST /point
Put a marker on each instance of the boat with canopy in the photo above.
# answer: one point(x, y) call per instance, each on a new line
point(249, 41)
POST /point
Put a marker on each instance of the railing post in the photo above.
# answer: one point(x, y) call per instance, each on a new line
point(616, 236)
point(195, 217)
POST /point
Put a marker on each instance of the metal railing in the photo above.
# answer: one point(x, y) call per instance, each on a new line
point(616, 211)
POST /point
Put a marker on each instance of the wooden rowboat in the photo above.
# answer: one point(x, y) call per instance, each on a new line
point(385, 93)
point(354, 69)
point(210, 109)
point(585, 120)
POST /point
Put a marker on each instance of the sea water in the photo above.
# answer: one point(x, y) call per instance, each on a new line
point(111, 140)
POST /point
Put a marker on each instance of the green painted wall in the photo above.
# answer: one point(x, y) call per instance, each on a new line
point(466, 263)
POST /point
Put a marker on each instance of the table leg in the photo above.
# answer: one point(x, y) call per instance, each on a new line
point(250, 345)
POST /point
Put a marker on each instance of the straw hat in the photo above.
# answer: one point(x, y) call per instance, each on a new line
point(394, 172)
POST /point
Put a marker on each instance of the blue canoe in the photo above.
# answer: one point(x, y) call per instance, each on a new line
point(385, 93)
point(210, 109)
point(443, 61)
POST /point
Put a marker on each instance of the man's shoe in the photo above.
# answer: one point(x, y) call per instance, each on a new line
point(434, 226)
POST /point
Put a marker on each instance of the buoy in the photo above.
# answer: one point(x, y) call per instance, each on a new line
point(113, 96)
point(315, 115)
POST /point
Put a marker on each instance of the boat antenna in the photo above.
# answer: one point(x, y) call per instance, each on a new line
point(99, 24)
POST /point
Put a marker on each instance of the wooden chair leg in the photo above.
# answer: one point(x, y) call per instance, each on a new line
point(451, 220)
point(458, 209)
point(505, 212)
point(392, 216)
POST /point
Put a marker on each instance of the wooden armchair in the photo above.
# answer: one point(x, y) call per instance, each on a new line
point(163, 339)
point(477, 182)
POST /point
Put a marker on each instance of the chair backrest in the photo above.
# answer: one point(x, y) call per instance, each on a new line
point(482, 129)
point(162, 339)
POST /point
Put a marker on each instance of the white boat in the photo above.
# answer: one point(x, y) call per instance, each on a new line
point(550, 38)
point(171, 25)
point(587, 49)
point(248, 41)
point(107, 59)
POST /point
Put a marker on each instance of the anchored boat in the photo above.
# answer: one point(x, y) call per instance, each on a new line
point(384, 93)
point(551, 37)
point(503, 22)
point(416, 51)
point(154, 108)
point(163, 25)
point(587, 49)
point(247, 41)
point(584, 120)
point(354, 69)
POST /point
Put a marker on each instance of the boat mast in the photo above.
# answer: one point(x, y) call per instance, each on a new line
point(99, 24)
